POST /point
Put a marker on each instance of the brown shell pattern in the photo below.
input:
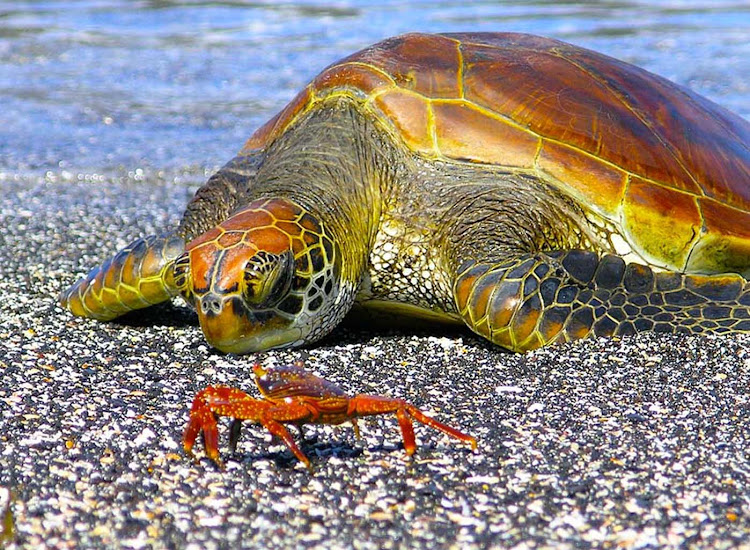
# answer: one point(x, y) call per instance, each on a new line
point(634, 147)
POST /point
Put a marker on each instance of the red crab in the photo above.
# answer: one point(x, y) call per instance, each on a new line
point(292, 395)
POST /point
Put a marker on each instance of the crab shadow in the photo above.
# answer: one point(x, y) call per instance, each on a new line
point(316, 450)
point(320, 452)
point(321, 449)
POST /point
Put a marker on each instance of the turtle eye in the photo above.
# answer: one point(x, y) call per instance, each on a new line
point(181, 272)
point(267, 278)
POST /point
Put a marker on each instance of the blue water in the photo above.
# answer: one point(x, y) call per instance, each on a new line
point(105, 85)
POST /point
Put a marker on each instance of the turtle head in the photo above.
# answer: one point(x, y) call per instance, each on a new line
point(267, 277)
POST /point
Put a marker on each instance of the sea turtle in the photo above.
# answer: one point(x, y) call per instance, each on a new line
point(535, 190)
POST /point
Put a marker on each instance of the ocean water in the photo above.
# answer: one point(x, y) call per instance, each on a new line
point(101, 86)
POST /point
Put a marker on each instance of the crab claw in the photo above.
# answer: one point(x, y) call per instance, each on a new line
point(203, 419)
point(215, 401)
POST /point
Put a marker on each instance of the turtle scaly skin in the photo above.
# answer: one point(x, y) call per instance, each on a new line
point(139, 275)
point(561, 296)
point(536, 191)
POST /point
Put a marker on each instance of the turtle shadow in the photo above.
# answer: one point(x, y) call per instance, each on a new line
point(164, 314)
point(354, 329)
point(358, 329)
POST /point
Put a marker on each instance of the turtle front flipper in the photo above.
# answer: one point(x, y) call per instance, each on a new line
point(536, 299)
point(138, 276)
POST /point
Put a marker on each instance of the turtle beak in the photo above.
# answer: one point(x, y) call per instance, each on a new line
point(218, 320)
point(230, 327)
point(211, 304)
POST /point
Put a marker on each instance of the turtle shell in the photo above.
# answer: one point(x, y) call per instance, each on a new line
point(667, 167)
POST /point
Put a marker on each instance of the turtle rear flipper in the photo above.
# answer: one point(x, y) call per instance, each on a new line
point(537, 299)
point(138, 276)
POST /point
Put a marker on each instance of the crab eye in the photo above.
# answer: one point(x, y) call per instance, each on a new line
point(181, 272)
point(267, 278)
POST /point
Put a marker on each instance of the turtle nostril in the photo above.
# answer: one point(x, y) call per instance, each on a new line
point(211, 305)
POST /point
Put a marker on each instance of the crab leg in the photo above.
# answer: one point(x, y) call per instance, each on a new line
point(368, 405)
point(207, 404)
point(282, 433)
point(407, 431)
